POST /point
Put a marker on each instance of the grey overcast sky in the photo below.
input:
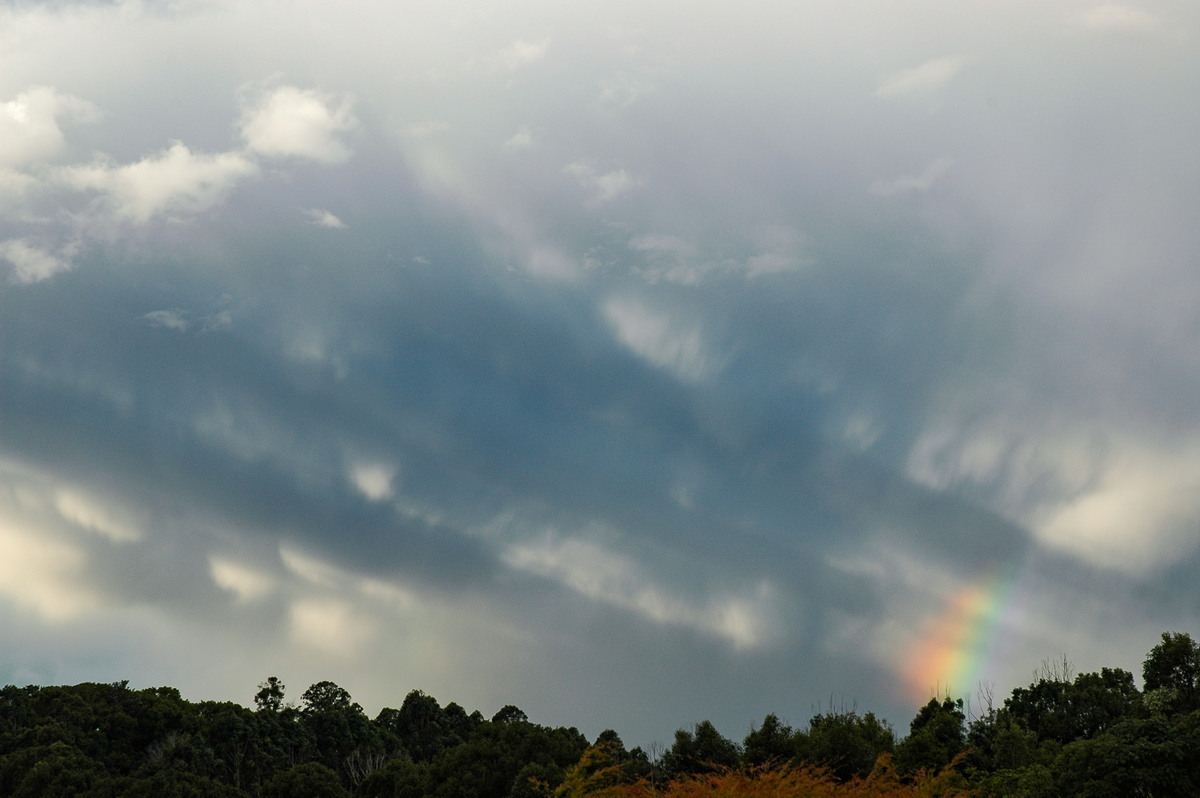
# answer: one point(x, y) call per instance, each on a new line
point(634, 363)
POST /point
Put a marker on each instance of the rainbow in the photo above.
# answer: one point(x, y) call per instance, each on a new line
point(957, 651)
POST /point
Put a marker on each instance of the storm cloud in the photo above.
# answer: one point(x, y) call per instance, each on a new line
point(628, 366)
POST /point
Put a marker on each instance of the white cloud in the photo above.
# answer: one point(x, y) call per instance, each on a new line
point(182, 321)
point(329, 625)
point(659, 339)
point(175, 181)
point(658, 242)
point(622, 91)
point(615, 579)
point(779, 249)
point(15, 189)
point(1139, 515)
point(1080, 486)
point(312, 570)
point(323, 218)
point(299, 123)
point(30, 264)
point(373, 480)
point(247, 584)
point(522, 53)
point(1116, 17)
point(99, 515)
point(544, 260)
point(42, 573)
point(603, 185)
point(29, 124)
point(521, 140)
point(909, 183)
point(170, 319)
point(919, 80)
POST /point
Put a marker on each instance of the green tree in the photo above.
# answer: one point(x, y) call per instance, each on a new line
point(603, 765)
point(325, 696)
point(345, 740)
point(1067, 711)
point(772, 742)
point(310, 780)
point(1173, 666)
point(57, 770)
point(702, 750)
point(399, 778)
point(1140, 756)
point(510, 714)
point(488, 764)
point(847, 743)
point(269, 697)
point(422, 729)
point(936, 736)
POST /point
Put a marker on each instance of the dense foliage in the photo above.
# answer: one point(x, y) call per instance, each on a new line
point(1089, 735)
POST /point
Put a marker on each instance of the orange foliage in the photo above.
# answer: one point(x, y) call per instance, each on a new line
point(804, 781)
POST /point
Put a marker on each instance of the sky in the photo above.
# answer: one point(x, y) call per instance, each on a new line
point(631, 364)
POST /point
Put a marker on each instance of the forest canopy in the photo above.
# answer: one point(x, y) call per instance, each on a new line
point(1065, 734)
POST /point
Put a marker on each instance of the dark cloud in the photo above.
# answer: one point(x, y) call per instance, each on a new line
point(646, 377)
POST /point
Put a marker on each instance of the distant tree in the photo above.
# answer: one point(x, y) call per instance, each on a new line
point(399, 778)
point(1140, 756)
point(171, 784)
point(269, 697)
point(53, 771)
point(799, 781)
point(423, 728)
point(1173, 666)
point(489, 763)
point(324, 696)
point(604, 764)
point(702, 750)
point(936, 736)
point(536, 780)
point(510, 714)
point(996, 741)
point(310, 780)
point(1068, 711)
point(772, 742)
point(847, 743)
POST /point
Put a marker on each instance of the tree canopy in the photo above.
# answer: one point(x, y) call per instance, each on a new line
point(1063, 735)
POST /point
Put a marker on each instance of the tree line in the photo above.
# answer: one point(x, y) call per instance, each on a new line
point(1065, 734)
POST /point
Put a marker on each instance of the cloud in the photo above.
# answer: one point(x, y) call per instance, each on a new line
point(521, 140)
point(923, 79)
point(43, 573)
point(16, 189)
point(31, 264)
point(1116, 17)
point(173, 182)
point(97, 515)
point(779, 249)
point(1138, 515)
point(604, 186)
point(246, 583)
point(612, 578)
point(907, 184)
point(30, 124)
point(373, 480)
point(289, 122)
point(312, 569)
point(659, 339)
point(521, 53)
point(330, 626)
point(322, 218)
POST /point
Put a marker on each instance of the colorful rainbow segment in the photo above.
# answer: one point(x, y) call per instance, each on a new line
point(953, 655)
